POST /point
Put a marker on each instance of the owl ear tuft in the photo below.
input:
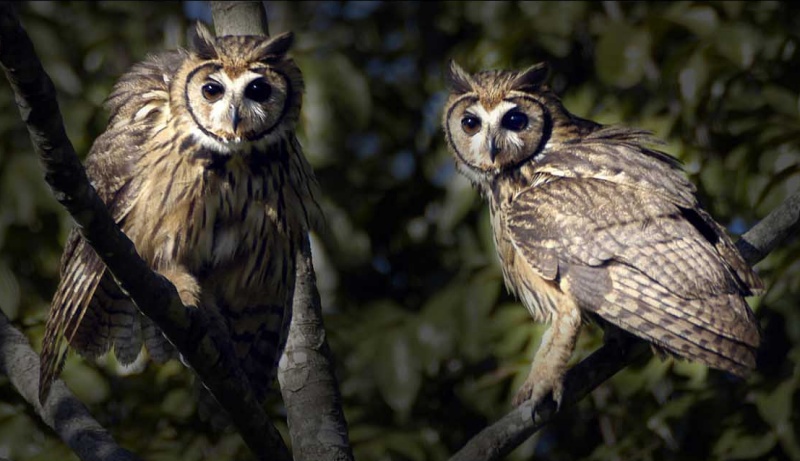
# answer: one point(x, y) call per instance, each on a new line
point(532, 78)
point(275, 48)
point(458, 80)
point(203, 42)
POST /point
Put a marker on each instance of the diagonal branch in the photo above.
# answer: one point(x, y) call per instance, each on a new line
point(499, 439)
point(63, 412)
point(188, 329)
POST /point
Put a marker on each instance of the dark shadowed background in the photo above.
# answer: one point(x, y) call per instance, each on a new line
point(429, 346)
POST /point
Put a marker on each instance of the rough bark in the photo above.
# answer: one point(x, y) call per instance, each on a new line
point(239, 18)
point(309, 387)
point(188, 329)
point(499, 439)
point(63, 412)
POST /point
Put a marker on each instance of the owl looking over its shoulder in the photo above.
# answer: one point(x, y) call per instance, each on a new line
point(591, 222)
point(201, 168)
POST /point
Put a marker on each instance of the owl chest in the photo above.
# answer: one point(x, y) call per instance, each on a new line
point(213, 222)
point(541, 297)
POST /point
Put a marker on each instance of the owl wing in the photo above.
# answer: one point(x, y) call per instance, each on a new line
point(82, 270)
point(641, 262)
point(138, 107)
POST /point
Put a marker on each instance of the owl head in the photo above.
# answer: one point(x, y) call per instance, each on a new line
point(240, 91)
point(496, 120)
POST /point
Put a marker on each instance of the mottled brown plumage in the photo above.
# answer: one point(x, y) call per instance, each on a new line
point(588, 220)
point(200, 167)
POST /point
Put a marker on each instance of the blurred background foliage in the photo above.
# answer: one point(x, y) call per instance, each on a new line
point(429, 345)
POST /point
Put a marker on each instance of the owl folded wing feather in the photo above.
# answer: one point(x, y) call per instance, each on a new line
point(82, 270)
point(642, 263)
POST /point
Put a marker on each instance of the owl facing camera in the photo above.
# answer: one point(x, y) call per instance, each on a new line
point(201, 168)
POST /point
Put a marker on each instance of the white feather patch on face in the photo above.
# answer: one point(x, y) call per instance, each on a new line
point(220, 121)
point(490, 127)
point(237, 146)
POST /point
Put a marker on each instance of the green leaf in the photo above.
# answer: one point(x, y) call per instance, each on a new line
point(623, 52)
point(481, 296)
point(85, 381)
point(179, 403)
point(436, 329)
point(398, 371)
point(738, 42)
point(776, 407)
point(701, 20)
point(782, 100)
point(735, 444)
point(408, 445)
point(693, 78)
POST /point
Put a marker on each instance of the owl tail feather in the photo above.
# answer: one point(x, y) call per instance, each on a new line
point(93, 315)
point(80, 279)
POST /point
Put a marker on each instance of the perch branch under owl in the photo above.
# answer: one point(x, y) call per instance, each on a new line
point(499, 439)
point(187, 329)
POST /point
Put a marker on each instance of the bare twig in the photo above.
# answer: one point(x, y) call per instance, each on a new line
point(502, 437)
point(63, 412)
point(188, 329)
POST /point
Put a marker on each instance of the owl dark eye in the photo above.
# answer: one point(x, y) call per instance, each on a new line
point(258, 90)
point(213, 91)
point(514, 121)
point(470, 124)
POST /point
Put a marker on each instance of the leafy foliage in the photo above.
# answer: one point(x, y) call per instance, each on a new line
point(430, 347)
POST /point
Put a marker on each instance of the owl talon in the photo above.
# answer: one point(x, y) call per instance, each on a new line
point(536, 390)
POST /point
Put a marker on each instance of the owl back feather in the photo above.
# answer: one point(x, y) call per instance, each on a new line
point(595, 218)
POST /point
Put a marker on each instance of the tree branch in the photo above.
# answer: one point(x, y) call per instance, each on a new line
point(782, 222)
point(239, 18)
point(499, 439)
point(308, 385)
point(63, 412)
point(208, 353)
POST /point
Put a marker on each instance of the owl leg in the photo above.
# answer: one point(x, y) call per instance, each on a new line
point(185, 283)
point(550, 363)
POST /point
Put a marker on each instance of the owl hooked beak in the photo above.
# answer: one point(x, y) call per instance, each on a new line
point(235, 118)
point(494, 148)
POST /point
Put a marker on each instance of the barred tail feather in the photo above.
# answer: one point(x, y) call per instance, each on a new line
point(82, 272)
point(259, 335)
point(158, 347)
point(118, 323)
